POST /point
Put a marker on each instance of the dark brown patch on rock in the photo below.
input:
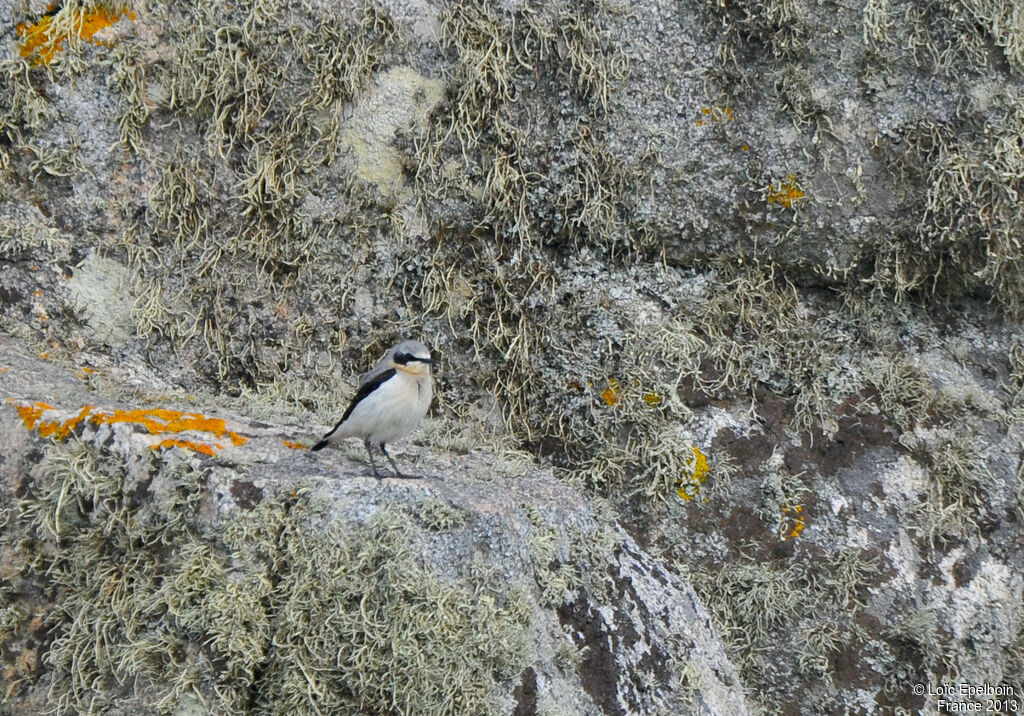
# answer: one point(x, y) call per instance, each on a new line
point(773, 413)
point(740, 525)
point(246, 494)
point(692, 394)
point(858, 431)
point(525, 694)
point(138, 496)
point(598, 672)
point(749, 451)
point(10, 296)
point(654, 662)
point(851, 670)
point(965, 568)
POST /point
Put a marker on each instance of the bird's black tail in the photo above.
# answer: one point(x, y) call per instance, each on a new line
point(320, 445)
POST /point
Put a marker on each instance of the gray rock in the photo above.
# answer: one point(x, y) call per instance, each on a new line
point(749, 272)
point(263, 578)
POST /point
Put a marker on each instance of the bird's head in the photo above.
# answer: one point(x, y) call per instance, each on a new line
point(411, 357)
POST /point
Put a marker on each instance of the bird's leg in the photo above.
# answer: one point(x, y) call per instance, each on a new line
point(372, 463)
point(394, 467)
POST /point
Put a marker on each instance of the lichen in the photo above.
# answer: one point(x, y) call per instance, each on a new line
point(263, 118)
point(156, 421)
point(610, 395)
point(779, 623)
point(266, 613)
point(715, 115)
point(44, 39)
point(438, 515)
point(792, 521)
point(785, 193)
point(694, 478)
point(960, 233)
point(1002, 21)
point(521, 253)
point(566, 561)
point(960, 485)
point(199, 447)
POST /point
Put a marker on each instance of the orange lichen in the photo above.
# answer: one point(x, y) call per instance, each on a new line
point(717, 115)
point(689, 485)
point(42, 40)
point(611, 393)
point(157, 421)
point(652, 398)
point(30, 414)
point(796, 515)
point(62, 429)
point(190, 444)
point(295, 446)
point(785, 192)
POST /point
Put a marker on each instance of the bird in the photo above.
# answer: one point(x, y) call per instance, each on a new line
point(390, 402)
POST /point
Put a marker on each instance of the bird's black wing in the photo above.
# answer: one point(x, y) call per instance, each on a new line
point(364, 390)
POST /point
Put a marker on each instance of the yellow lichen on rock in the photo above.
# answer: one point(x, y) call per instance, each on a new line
point(157, 421)
point(41, 41)
point(610, 395)
point(689, 485)
point(190, 444)
point(791, 516)
point(786, 192)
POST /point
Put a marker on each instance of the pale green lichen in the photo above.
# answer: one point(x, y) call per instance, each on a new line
point(817, 645)
point(365, 626)
point(284, 615)
point(507, 234)
point(1003, 22)
point(128, 79)
point(959, 488)
point(21, 237)
point(23, 112)
point(263, 118)
point(476, 155)
point(920, 649)
point(558, 554)
point(438, 515)
point(962, 238)
point(777, 620)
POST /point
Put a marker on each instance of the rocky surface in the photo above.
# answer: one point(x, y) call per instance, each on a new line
point(144, 575)
point(747, 275)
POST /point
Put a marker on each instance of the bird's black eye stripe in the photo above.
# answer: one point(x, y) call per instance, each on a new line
point(405, 358)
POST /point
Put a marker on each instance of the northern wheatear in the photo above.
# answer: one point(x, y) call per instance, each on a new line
point(391, 400)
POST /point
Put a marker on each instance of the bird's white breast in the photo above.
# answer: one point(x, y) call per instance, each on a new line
point(391, 411)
